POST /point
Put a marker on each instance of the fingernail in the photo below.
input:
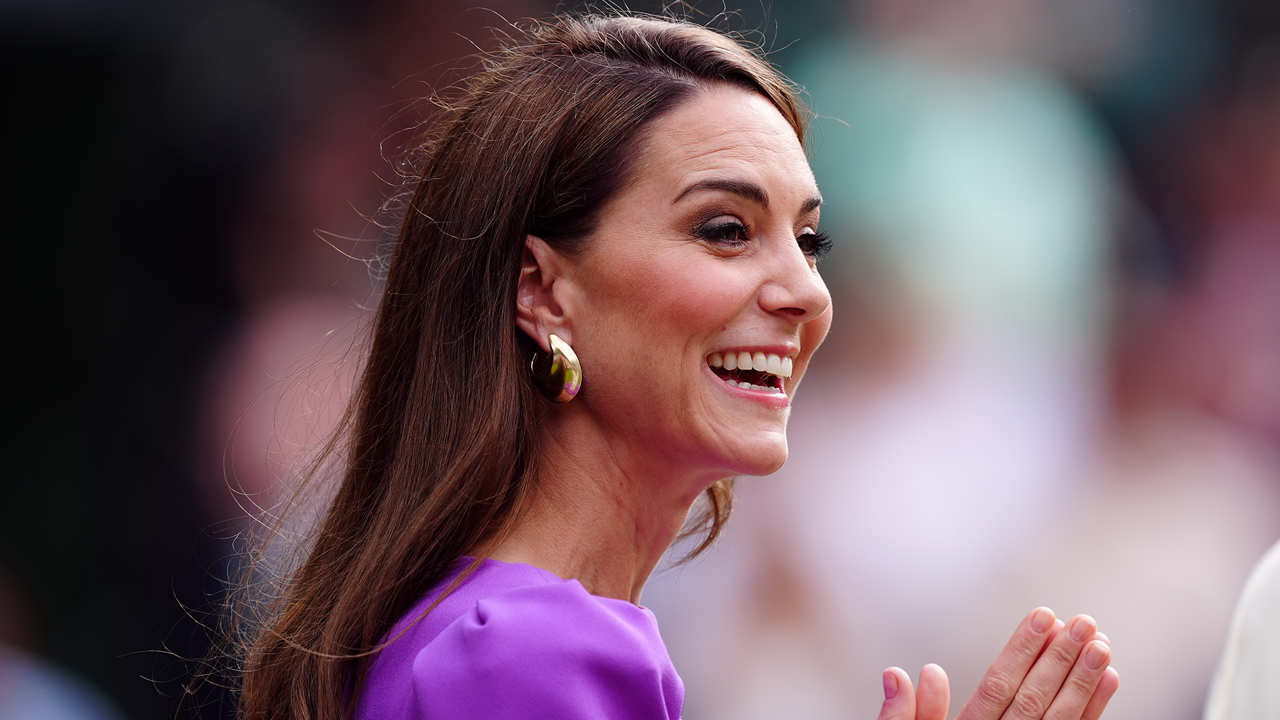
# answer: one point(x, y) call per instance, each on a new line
point(1081, 628)
point(890, 685)
point(1042, 620)
point(1096, 655)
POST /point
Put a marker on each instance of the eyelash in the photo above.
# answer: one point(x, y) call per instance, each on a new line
point(815, 244)
point(734, 234)
point(731, 233)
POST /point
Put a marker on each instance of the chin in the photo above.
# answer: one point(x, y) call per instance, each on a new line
point(763, 458)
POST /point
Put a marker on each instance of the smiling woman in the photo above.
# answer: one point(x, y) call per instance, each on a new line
point(603, 297)
point(709, 250)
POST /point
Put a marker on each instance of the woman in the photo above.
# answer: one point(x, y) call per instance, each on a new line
point(632, 192)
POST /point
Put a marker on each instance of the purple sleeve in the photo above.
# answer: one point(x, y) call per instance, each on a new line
point(547, 652)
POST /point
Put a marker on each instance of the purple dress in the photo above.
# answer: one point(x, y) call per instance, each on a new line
point(517, 641)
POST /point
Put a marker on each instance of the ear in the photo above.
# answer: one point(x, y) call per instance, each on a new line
point(538, 312)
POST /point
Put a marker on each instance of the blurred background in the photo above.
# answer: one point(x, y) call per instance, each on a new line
point(1054, 375)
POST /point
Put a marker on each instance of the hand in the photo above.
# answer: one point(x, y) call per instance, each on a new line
point(1047, 670)
point(902, 702)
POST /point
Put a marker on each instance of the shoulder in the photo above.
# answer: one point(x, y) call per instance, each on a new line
point(1244, 686)
point(548, 651)
point(557, 618)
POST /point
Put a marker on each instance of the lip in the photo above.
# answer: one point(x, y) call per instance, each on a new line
point(784, 350)
point(776, 401)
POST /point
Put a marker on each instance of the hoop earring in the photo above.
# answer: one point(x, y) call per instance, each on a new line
point(557, 374)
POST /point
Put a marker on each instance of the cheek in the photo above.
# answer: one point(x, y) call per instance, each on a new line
point(647, 331)
point(816, 332)
point(812, 336)
point(671, 298)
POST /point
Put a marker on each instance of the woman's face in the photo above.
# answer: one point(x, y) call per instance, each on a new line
point(704, 260)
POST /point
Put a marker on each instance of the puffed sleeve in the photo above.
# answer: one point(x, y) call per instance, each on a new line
point(548, 652)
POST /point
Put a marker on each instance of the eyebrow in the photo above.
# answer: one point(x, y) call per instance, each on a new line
point(747, 190)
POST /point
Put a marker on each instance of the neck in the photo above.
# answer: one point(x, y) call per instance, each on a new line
point(601, 512)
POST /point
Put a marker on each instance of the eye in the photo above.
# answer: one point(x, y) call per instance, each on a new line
point(814, 244)
point(724, 231)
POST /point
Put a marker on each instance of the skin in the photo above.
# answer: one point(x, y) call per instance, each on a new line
point(1060, 672)
point(651, 296)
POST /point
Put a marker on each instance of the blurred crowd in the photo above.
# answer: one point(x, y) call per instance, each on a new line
point(1053, 378)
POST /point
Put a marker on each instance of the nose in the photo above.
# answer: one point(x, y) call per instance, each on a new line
point(794, 289)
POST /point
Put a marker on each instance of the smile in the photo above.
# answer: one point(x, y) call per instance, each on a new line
point(757, 371)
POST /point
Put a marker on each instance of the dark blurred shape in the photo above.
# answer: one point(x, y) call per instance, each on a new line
point(155, 156)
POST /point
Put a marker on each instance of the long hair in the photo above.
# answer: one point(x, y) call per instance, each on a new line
point(442, 437)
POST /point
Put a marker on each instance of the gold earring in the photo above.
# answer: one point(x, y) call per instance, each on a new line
point(557, 374)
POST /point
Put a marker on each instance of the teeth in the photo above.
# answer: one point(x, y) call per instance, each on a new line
point(753, 386)
point(762, 362)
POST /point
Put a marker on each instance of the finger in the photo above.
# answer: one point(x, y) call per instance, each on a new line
point(899, 697)
point(1103, 637)
point(933, 698)
point(1081, 684)
point(1002, 679)
point(1058, 627)
point(1042, 684)
point(1107, 687)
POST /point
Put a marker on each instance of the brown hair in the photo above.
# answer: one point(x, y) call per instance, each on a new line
point(442, 438)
